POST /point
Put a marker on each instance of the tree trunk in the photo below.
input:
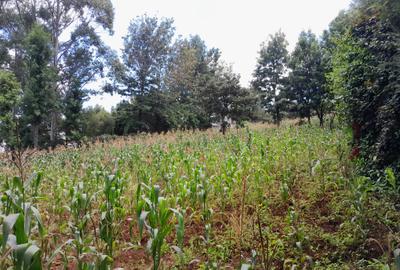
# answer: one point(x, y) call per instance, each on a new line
point(35, 136)
point(224, 126)
point(140, 116)
point(139, 101)
point(277, 111)
point(56, 48)
point(53, 128)
point(278, 119)
point(332, 121)
point(320, 114)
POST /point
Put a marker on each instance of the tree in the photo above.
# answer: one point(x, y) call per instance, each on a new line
point(84, 62)
point(73, 111)
point(192, 65)
point(307, 78)
point(39, 97)
point(226, 100)
point(151, 113)
point(97, 121)
point(180, 82)
point(385, 10)
point(146, 55)
point(9, 101)
point(16, 20)
point(124, 117)
point(269, 75)
point(59, 18)
point(366, 70)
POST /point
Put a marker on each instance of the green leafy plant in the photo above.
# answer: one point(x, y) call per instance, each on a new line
point(111, 209)
point(157, 218)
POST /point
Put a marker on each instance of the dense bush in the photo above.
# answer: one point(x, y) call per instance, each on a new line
point(366, 70)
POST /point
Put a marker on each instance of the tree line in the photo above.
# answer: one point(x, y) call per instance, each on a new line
point(168, 82)
point(45, 77)
point(173, 83)
point(350, 72)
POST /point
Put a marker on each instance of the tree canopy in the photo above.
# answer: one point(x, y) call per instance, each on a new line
point(270, 74)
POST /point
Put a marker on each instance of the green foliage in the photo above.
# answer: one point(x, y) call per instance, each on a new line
point(66, 66)
point(85, 61)
point(149, 113)
point(365, 79)
point(26, 256)
point(176, 86)
point(97, 121)
point(111, 210)
point(307, 79)
point(360, 189)
point(156, 216)
point(269, 196)
point(269, 75)
point(39, 94)
point(17, 226)
point(9, 100)
point(145, 56)
point(226, 100)
point(287, 197)
point(191, 67)
point(147, 49)
point(80, 209)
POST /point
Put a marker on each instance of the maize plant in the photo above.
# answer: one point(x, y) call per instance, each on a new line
point(206, 210)
point(15, 236)
point(21, 218)
point(140, 203)
point(180, 232)
point(156, 216)
point(360, 189)
point(17, 193)
point(111, 209)
point(299, 240)
point(80, 209)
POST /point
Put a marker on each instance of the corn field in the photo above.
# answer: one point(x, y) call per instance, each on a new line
point(257, 198)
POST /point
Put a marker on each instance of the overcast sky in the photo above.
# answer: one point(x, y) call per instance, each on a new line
point(236, 27)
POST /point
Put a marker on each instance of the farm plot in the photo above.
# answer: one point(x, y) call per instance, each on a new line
point(260, 198)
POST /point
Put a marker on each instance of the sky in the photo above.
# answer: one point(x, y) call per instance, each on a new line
point(236, 27)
